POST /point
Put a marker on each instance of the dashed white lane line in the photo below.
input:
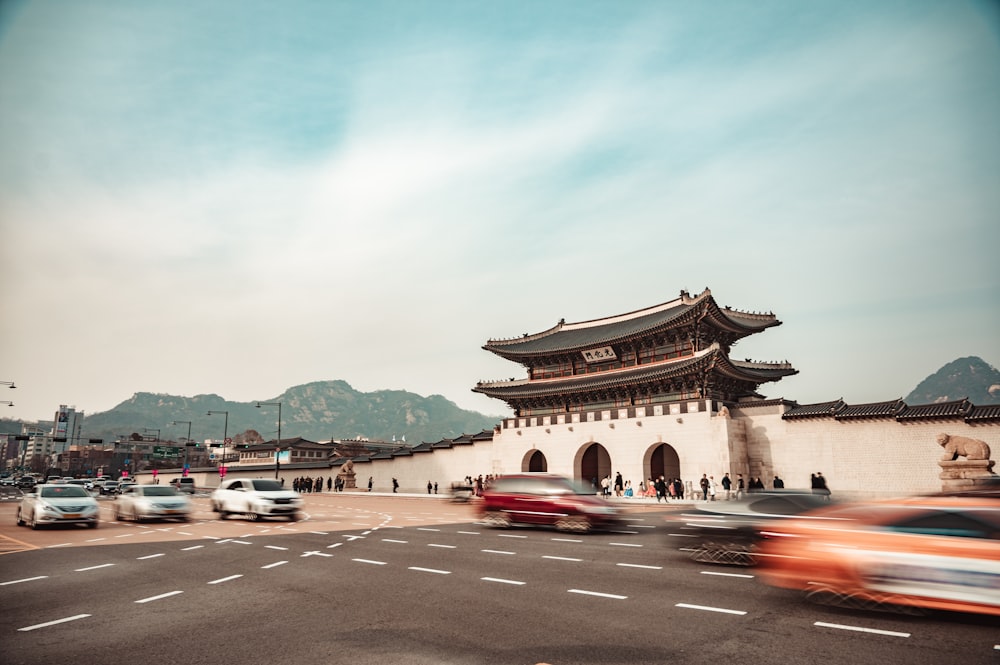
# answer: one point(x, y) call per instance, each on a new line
point(59, 545)
point(624, 544)
point(497, 552)
point(430, 570)
point(159, 597)
point(274, 565)
point(83, 570)
point(374, 563)
point(275, 547)
point(566, 540)
point(469, 533)
point(859, 629)
point(446, 547)
point(561, 558)
point(193, 547)
point(95, 540)
point(710, 609)
point(510, 535)
point(612, 596)
point(424, 528)
point(149, 556)
point(26, 579)
point(740, 575)
point(52, 623)
point(225, 579)
point(501, 581)
point(638, 565)
point(391, 540)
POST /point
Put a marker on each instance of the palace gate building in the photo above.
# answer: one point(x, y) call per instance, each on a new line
point(657, 392)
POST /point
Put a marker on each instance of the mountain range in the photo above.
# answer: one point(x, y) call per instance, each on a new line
point(326, 410)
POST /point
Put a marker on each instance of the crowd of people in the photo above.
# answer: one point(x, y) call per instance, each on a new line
point(667, 489)
point(305, 484)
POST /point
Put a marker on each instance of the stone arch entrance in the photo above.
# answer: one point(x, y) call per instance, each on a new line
point(534, 462)
point(592, 463)
point(662, 460)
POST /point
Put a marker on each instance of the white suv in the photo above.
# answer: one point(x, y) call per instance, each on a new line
point(256, 498)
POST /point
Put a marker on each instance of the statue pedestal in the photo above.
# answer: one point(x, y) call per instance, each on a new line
point(349, 480)
point(963, 474)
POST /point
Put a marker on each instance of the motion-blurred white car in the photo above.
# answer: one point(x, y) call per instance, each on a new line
point(152, 502)
point(255, 498)
point(58, 504)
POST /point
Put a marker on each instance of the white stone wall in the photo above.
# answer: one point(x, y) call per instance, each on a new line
point(860, 459)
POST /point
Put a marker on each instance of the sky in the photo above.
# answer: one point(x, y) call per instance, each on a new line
point(234, 198)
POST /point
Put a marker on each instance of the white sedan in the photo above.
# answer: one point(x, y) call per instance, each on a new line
point(149, 502)
point(58, 504)
point(256, 498)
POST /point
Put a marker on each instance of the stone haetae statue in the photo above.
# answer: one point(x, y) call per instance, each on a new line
point(962, 446)
point(347, 474)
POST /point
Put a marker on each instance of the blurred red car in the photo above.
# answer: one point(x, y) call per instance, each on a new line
point(549, 500)
point(936, 553)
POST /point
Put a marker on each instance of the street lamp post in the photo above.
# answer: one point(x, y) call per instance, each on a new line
point(225, 436)
point(277, 450)
point(187, 443)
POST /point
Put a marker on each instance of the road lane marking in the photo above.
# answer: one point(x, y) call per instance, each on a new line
point(598, 594)
point(501, 581)
point(320, 533)
point(52, 623)
point(275, 564)
point(859, 629)
point(193, 547)
point(95, 540)
point(225, 579)
point(710, 609)
point(148, 556)
point(560, 558)
point(103, 565)
point(241, 542)
point(275, 547)
point(741, 575)
point(26, 579)
point(334, 545)
point(637, 565)
point(469, 533)
point(390, 540)
point(567, 540)
point(314, 553)
point(510, 535)
point(430, 570)
point(625, 544)
point(125, 535)
point(425, 528)
point(160, 597)
point(59, 545)
point(497, 552)
point(374, 563)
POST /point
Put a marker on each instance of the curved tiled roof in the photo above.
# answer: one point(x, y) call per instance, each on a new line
point(985, 413)
point(888, 409)
point(712, 358)
point(828, 409)
point(957, 409)
point(564, 337)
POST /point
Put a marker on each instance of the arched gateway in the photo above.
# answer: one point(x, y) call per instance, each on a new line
point(592, 463)
point(662, 460)
point(535, 462)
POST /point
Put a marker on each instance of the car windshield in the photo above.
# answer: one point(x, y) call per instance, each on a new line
point(267, 485)
point(63, 491)
point(156, 490)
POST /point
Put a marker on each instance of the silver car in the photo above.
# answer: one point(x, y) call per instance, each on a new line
point(58, 504)
point(256, 498)
point(152, 502)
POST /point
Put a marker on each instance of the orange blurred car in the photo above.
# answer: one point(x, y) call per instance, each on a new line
point(934, 553)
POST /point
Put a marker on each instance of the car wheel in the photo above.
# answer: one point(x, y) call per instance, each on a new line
point(92, 525)
point(252, 516)
point(34, 522)
point(294, 517)
point(497, 519)
point(118, 516)
point(573, 523)
point(20, 522)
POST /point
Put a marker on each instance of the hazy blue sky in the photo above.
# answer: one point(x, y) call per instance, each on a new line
point(238, 197)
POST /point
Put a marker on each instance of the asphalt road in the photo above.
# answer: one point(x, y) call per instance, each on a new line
point(376, 579)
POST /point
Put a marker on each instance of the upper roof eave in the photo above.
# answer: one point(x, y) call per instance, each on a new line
point(570, 337)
